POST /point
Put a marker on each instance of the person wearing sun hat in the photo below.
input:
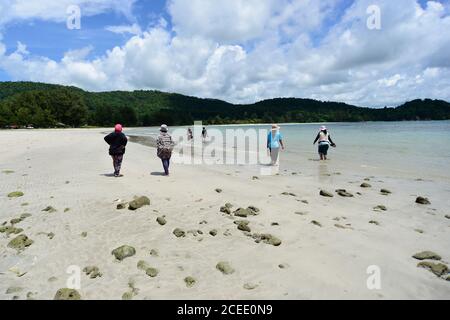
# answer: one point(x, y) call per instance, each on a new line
point(325, 141)
point(274, 142)
point(164, 145)
point(117, 142)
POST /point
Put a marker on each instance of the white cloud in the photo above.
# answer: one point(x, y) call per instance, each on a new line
point(122, 29)
point(242, 52)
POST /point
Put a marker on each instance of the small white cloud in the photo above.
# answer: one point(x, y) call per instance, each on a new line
point(122, 29)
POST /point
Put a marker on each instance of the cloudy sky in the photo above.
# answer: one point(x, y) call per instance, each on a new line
point(237, 50)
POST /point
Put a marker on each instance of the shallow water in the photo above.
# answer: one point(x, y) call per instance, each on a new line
point(419, 149)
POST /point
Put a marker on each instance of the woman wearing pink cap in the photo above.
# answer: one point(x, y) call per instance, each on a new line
point(117, 142)
point(325, 141)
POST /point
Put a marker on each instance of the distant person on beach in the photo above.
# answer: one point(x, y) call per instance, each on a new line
point(204, 133)
point(164, 145)
point(190, 135)
point(274, 142)
point(117, 142)
point(325, 141)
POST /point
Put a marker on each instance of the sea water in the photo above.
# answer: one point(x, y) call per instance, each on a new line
point(414, 149)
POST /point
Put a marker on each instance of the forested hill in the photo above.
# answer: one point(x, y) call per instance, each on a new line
point(46, 105)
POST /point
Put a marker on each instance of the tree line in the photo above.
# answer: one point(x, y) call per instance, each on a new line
point(45, 106)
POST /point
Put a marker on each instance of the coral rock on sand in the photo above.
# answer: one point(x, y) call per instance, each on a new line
point(84, 234)
point(365, 185)
point(15, 194)
point(190, 281)
point(67, 294)
point(213, 232)
point(8, 230)
point(243, 225)
point(316, 223)
point(324, 193)
point(218, 190)
point(121, 206)
point(20, 242)
point(179, 233)
point(123, 252)
point(226, 208)
point(374, 222)
point(267, 238)
point(380, 208)
point(439, 269)
point(344, 193)
point(425, 255)
point(422, 200)
point(161, 220)
point(49, 209)
point(92, 271)
point(224, 267)
point(151, 272)
point(154, 253)
point(139, 203)
point(244, 213)
point(385, 192)
point(447, 216)
point(250, 286)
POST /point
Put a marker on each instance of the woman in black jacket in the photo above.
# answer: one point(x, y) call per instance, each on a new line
point(117, 142)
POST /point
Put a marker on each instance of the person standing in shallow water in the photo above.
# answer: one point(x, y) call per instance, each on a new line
point(117, 142)
point(164, 145)
point(325, 141)
point(274, 142)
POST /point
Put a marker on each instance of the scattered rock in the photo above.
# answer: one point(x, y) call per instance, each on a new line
point(305, 201)
point(213, 232)
point(139, 203)
point(49, 209)
point(365, 185)
point(7, 171)
point(324, 193)
point(447, 216)
point(419, 230)
point(123, 252)
point(316, 223)
point(218, 190)
point(92, 271)
point(152, 272)
point(154, 253)
point(244, 213)
point(179, 233)
point(122, 206)
point(67, 294)
point(20, 242)
point(380, 208)
point(250, 286)
point(422, 200)
point(283, 266)
point(190, 281)
point(439, 269)
point(342, 227)
point(385, 192)
point(224, 267)
point(161, 220)
point(427, 255)
point(374, 222)
point(344, 193)
point(24, 204)
point(255, 178)
point(84, 234)
point(225, 209)
point(15, 221)
point(15, 194)
point(12, 290)
point(301, 213)
point(273, 224)
point(267, 238)
point(243, 225)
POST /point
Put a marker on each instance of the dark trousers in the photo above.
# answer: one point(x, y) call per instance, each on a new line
point(166, 164)
point(117, 163)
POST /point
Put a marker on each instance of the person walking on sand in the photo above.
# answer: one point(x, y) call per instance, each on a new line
point(274, 141)
point(190, 135)
point(325, 141)
point(117, 142)
point(164, 145)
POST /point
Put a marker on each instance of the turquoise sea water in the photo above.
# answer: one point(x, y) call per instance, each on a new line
point(418, 149)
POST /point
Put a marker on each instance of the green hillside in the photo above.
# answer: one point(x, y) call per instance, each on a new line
point(46, 105)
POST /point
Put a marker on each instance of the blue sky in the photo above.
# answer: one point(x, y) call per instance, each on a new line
point(237, 50)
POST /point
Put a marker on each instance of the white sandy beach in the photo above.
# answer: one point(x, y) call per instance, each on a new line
point(70, 169)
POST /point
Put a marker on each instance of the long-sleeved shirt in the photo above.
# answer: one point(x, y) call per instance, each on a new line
point(117, 142)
